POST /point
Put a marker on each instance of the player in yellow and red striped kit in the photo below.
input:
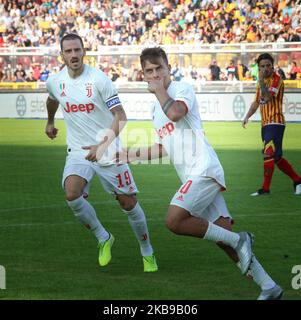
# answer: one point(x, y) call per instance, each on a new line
point(269, 96)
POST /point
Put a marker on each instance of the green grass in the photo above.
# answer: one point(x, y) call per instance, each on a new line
point(49, 255)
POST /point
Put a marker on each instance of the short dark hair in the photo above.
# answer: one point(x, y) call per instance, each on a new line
point(153, 55)
point(265, 56)
point(71, 36)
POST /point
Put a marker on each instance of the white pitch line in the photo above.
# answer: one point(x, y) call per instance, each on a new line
point(32, 208)
point(62, 205)
point(39, 224)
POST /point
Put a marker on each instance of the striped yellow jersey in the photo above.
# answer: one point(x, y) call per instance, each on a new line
point(271, 112)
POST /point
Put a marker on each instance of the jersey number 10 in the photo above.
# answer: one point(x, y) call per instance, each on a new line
point(186, 187)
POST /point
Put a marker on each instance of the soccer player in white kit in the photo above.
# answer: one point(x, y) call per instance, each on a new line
point(94, 117)
point(198, 208)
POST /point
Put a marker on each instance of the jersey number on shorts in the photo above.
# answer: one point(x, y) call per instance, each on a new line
point(127, 179)
point(186, 187)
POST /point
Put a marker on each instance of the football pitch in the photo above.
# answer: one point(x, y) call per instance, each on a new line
point(48, 254)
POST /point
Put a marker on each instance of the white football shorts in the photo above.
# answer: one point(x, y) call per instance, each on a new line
point(202, 197)
point(115, 179)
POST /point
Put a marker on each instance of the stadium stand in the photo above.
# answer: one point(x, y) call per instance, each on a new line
point(220, 25)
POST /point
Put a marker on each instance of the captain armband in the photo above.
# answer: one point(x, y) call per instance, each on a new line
point(167, 105)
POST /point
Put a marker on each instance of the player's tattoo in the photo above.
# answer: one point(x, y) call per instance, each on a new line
point(117, 109)
point(167, 105)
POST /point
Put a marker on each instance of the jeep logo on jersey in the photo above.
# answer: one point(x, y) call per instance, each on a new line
point(88, 107)
point(165, 130)
point(239, 107)
point(89, 89)
point(21, 105)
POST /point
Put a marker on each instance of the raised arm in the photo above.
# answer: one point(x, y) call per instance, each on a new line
point(266, 94)
point(174, 110)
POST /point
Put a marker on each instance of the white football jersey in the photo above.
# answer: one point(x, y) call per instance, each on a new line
point(86, 102)
point(184, 140)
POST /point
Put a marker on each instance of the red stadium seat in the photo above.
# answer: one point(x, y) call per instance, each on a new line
point(282, 60)
point(296, 56)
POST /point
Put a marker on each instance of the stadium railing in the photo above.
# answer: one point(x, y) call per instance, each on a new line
point(257, 47)
point(208, 86)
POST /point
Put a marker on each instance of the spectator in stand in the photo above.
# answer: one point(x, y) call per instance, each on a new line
point(241, 70)
point(36, 71)
point(8, 74)
point(232, 70)
point(293, 36)
point(223, 76)
point(251, 34)
point(194, 73)
point(294, 70)
point(215, 71)
point(187, 77)
point(248, 76)
point(176, 72)
point(44, 73)
point(19, 76)
point(116, 23)
point(286, 20)
point(232, 78)
point(114, 73)
point(140, 75)
point(132, 73)
point(8, 77)
point(30, 77)
point(20, 72)
point(104, 67)
point(254, 70)
point(280, 72)
point(1, 74)
point(202, 80)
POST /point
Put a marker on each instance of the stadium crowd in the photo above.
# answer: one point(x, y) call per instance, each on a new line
point(25, 23)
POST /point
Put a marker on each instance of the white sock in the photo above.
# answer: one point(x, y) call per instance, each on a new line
point(259, 275)
point(138, 223)
point(216, 234)
point(86, 214)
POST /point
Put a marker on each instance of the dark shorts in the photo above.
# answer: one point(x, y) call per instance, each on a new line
point(272, 136)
